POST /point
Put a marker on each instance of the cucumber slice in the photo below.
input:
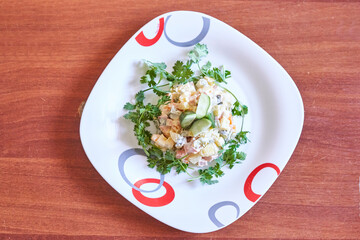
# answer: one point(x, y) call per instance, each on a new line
point(186, 118)
point(211, 117)
point(200, 125)
point(203, 106)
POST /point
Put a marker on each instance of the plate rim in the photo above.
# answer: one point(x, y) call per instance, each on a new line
point(294, 86)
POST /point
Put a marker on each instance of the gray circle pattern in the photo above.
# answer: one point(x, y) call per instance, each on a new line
point(218, 205)
point(121, 163)
point(197, 39)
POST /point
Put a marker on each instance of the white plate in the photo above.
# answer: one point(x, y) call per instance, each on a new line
point(275, 120)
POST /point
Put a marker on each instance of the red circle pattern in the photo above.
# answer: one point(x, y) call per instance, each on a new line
point(247, 187)
point(154, 202)
point(144, 41)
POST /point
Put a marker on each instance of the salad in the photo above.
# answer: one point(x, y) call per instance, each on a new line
point(194, 119)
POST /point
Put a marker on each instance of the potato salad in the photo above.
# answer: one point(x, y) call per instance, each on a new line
point(194, 118)
point(197, 121)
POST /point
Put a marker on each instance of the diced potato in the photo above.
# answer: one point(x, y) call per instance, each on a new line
point(185, 88)
point(160, 141)
point(218, 110)
point(163, 142)
point(174, 115)
point(209, 150)
point(174, 124)
point(228, 100)
point(192, 108)
point(202, 83)
point(178, 139)
point(209, 80)
point(225, 123)
point(184, 97)
point(155, 137)
point(175, 137)
point(194, 158)
point(169, 143)
point(196, 145)
point(182, 106)
point(219, 141)
point(206, 89)
point(214, 134)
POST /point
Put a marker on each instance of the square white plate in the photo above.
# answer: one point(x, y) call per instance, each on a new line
point(275, 121)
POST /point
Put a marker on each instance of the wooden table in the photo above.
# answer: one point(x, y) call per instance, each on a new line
point(52, 53)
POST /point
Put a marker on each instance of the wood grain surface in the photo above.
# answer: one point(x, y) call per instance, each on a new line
point(52, 53)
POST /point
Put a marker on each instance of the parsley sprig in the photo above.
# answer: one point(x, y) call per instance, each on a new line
point(142, 115)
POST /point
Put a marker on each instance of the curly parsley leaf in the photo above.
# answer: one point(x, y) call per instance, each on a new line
point(231, 157)
point(205, 68)
point(158, 66)
point(139, 98)
point(245, 109)
point(238, 109)
point(164, 162)
point(163, 100)
point(158, 69)
point(200, 51)
point(159, 92)
point(219, 75)
point(132, 116)
point(206, 176)
point(129, 106)
point(182, 72)
point(242, 138)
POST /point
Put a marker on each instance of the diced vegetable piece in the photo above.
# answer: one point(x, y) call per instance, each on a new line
point(225, 124)
point(219, 141)
point(194, 158)
point(165, 130)
point(186, 118)
point(155, 137)
point(160, 141)
point(200, 125)
point(203, 106)
point(210, 150)
point(164, 142)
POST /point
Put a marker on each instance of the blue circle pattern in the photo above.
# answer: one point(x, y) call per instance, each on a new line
point(218, 205)
point(197, 39)
point(122, 159)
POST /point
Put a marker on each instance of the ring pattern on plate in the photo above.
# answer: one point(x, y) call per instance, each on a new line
point(154, 202)
point(121, 163)
point(218, 205)
point(249, 193)
point(197, 39)
point(146, 42)
point(137, 192)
